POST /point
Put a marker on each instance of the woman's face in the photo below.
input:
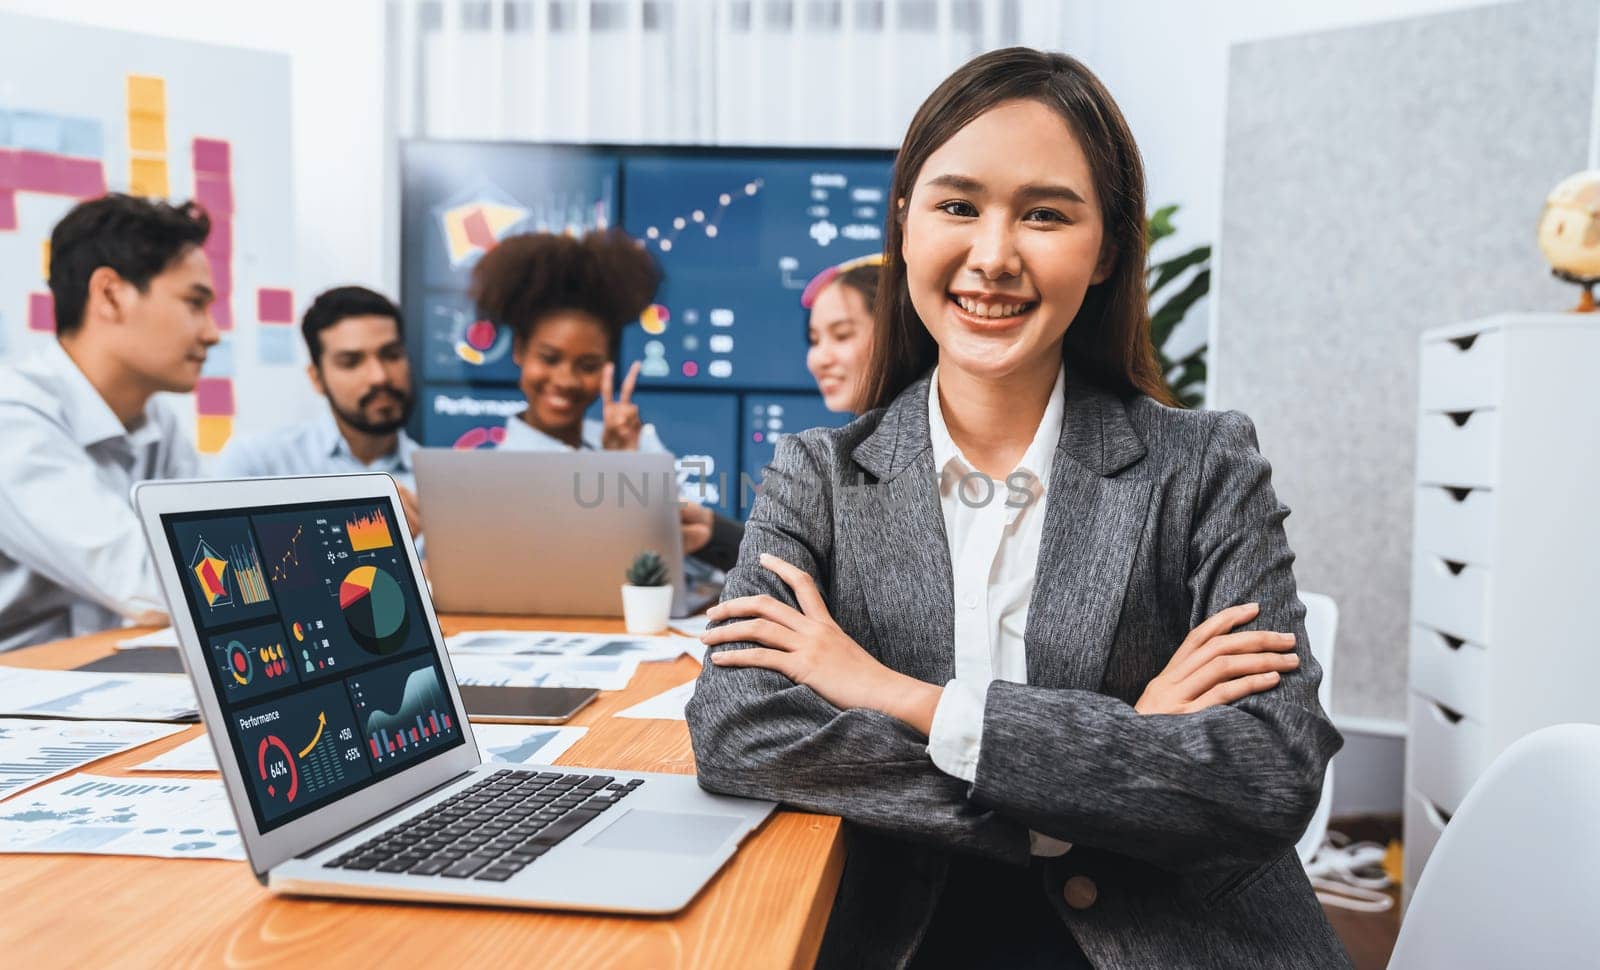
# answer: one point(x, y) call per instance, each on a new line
point(1003, 238)
point(840, 333)
point(562, 362)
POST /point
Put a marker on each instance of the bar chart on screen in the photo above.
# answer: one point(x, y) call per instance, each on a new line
point(403, 710)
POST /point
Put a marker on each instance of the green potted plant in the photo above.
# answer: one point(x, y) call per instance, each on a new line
point(647, 595)
point(1185, 375)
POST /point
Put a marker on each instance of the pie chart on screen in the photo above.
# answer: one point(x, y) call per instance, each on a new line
point(374, 608)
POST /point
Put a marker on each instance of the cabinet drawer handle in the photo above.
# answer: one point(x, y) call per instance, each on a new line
point(1460, 417)
point(1450, 716)
point(1457, 493)
point(1454, 565)
point(1464, 343)
point(1454, 643)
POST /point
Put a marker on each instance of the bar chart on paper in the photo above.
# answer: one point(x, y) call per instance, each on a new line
point(171, 818)
point(33, 751)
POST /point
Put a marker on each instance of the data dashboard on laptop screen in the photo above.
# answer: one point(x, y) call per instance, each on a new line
point(317, 646)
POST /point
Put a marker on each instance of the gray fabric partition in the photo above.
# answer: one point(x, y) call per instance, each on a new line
point(1379, 181)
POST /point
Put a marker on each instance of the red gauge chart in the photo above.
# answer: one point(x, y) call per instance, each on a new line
point(374, 608)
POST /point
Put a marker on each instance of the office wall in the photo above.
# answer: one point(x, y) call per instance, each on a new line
point(163, 118)
point(1378, 181)
point(345, 197)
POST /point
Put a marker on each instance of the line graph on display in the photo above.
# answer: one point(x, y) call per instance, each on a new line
point(709, 224)
point(290, 557)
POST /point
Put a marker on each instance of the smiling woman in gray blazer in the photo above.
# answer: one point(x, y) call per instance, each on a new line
point(1029, 629)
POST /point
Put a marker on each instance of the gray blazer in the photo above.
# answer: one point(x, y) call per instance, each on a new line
point(1155, 519)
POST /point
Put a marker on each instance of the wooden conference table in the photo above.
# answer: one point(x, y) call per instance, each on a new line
point(766, 908)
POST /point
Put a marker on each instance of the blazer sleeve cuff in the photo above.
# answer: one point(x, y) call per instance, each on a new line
point(957, 732)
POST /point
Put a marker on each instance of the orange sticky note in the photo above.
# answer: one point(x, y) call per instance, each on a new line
point(148, 177)
point(44, 260)
point(147, 95)
point(212, 433)
point(147, 133)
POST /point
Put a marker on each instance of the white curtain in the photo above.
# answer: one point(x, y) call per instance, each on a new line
point(833, 73)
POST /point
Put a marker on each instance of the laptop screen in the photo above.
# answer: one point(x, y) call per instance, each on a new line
point(319, 650)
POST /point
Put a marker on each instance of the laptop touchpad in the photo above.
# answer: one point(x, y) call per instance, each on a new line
point(674, 832)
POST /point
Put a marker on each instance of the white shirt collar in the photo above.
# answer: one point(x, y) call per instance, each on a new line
point(329, 441)
point(90, 417)
point(1036, 461)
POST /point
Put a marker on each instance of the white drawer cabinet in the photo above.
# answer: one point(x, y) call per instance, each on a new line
point(1450, 670)
point(1505, 551)
point(1455, 523)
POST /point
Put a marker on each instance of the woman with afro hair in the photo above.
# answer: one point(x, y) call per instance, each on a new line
point(566, 300)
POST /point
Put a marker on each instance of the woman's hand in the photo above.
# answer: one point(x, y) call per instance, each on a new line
point(809, 648)
point(696, 522)
point(1213, 666)
point(622, 423)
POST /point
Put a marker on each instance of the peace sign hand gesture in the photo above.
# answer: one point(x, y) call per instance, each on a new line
point(622, 424)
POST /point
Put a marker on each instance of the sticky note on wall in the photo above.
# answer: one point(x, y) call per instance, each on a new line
point(214, 396)
point(147, 133)
point(41, 312)
point(211, 433)
point(147, 95)
point(212, 156)
point(274, 306)
point(148, 177)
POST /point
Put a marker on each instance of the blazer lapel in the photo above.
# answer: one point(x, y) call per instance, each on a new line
point(1092, 527)
point(896, 536)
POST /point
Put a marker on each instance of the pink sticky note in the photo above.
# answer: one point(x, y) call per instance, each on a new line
point(211, 155)
point(41, 312)
point(222, 313)
point(221, 277)
point(8, 169)
point(84, 178)
point(214, 396)
point(8, 210)
point(214, 194)
point(38, 172)
point(274, 306)
point(219, 244)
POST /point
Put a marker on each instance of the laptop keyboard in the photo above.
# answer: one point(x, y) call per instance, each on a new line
point(491, 830)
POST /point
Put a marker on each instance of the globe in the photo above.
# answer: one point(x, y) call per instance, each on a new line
point(1569, 232)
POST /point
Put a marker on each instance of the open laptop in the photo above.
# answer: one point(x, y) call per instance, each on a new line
point(549, 533)
point(324, 685)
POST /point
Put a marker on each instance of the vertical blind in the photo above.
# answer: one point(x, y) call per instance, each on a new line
point(728, 72)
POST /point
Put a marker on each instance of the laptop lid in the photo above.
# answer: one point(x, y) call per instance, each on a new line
point(543, 532)
point(314, 651)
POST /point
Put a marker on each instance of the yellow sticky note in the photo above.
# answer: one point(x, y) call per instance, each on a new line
point(212, 433)
point(147, 95)
point(44, 260)
point(148, 177)
point(147, 133)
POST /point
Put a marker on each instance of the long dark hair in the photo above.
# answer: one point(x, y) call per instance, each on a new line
point(1108, 343)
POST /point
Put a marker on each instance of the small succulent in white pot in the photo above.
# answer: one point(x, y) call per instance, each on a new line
point(647, 594)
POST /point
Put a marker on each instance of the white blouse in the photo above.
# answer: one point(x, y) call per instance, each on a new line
point(994, 528)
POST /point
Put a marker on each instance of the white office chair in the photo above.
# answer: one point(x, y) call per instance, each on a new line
point(1322, 626)
point(1514, 877)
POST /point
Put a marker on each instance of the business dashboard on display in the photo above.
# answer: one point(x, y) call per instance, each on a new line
point(737, 233)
